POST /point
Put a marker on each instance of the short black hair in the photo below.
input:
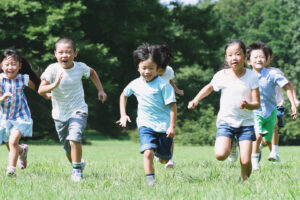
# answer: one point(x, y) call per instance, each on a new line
point(66, 40)
point(145, 52)
point(256, 46)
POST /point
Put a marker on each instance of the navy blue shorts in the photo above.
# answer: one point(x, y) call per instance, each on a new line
point(242, 133)
point(150, 139)
point(280, 114)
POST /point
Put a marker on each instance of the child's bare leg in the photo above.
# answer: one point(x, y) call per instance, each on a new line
point(148, 161)
point(76, 151)
point(222, 147)
point(14, 147)
point(255, 147)
point(245, 159)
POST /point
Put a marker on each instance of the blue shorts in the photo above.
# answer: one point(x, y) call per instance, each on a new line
point(280, 114)
point(150, 139)
point(242, 133)
point(71, 129)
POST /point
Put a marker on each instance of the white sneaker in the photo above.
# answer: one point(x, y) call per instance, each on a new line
point(169, 164)
point(256, 167)
point(234, 152)
point(76, 175)
point(274, 157)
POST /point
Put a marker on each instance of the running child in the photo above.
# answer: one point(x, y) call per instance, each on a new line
point(69, 110)
point(265, 116)
point(167, 73)
point(274, 155)
point(239, 97)
point(157, 109)
point(15, 114)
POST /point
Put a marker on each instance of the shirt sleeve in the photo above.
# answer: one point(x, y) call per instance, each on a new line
point(170, 73)
point(216, 81)
point(26, 79)
point(168, 94)
point(128, 91)
point(86, 70)
point(280, 80)
point(48, 74)
point(254, 81)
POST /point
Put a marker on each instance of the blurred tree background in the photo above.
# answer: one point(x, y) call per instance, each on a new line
point(107, 32)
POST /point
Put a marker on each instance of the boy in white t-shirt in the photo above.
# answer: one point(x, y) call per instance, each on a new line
point(69, 110)
point(167, 73)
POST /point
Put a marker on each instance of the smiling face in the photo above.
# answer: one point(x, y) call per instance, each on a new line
point(235, 56)
point(10, 67)
point(65, 55)
point(257, 59)
point(148, 70)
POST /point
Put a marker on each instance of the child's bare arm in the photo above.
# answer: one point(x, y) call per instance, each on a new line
point(254, 104)
point(46, 87)
point(96, 80)
point(177, 90)
point(289, 93)
point(124, 117)
point(297, 103)
point(204, 92)
point(173, 115)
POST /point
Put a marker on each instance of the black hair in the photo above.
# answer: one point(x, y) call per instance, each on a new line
point(257, 46)
point(66, 40)
point(25, 68)
point(269, 49)
point(166, 56)
point(235, 41)
point(145, 52)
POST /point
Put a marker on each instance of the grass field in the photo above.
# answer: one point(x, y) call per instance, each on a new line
point(115, 171)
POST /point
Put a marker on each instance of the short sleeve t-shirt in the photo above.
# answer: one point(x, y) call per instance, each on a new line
point(233, 91)
point(278, 90)
point(68, 96)
point(169, 74)
point(154, 99)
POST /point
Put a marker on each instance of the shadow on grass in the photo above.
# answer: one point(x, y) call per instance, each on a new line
point(88, 137)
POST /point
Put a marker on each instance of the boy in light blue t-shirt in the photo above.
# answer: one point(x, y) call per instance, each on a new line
point(157, 109)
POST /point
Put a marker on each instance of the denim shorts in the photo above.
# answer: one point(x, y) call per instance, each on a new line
point(242, 133)
point(280, 114)
point(6, 126)
point(71, 129)
point(150, 139)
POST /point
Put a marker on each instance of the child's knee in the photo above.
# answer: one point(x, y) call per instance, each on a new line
point(149, 154)
point(221, 156)
point(245, 161)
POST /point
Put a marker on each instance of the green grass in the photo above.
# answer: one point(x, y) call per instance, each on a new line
point(115, 171)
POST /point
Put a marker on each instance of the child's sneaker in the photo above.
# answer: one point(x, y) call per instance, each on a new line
point(76, 175)
point(169, 164)
point(22, 159)
point(11, 171)
point(234, 152)
point(83, 164)
point(274, 157)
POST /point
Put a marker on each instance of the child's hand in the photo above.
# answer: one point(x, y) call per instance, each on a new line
point(192, 104)
point(102, 96)
point(57, 80)
point(243, 104)
point(180, 92)
point(47, 96)
point(170, 132)
point(294, 112)
point(123, 120)
point(5, 96)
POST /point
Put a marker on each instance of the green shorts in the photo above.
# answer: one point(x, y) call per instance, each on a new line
point(262, 125)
